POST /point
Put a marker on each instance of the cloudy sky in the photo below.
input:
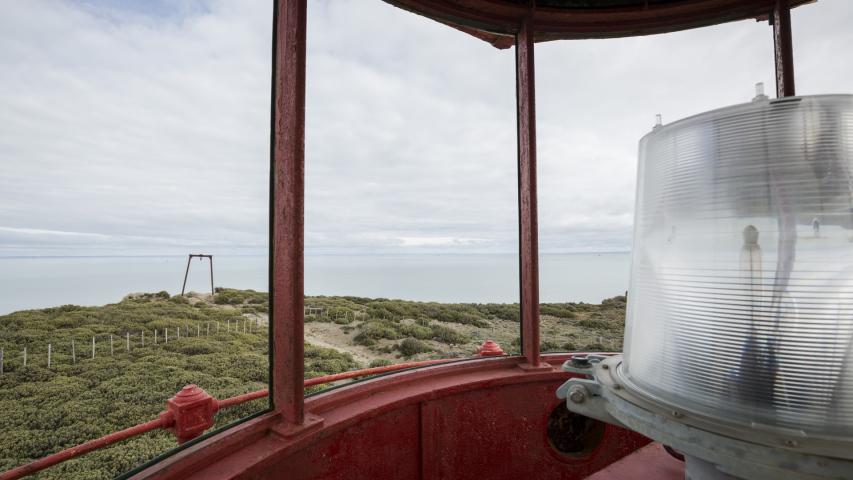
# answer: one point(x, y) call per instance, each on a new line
point(138, 128)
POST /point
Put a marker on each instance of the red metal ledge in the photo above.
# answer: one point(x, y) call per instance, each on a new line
point(484, 416)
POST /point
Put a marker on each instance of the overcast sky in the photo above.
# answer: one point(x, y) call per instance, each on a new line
point(133, 128)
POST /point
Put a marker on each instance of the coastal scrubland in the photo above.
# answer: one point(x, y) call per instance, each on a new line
point(223, 347)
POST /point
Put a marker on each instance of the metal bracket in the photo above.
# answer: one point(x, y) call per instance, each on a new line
point(584, 395)
point(604, 392)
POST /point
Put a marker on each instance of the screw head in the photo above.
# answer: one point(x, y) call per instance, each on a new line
point(578, 394)
point(605, 366)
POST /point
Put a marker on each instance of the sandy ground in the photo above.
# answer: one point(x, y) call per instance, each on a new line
point(559, 331)
point(555, 331)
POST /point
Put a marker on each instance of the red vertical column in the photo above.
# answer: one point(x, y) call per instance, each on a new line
point(783, 48)
point(528, 228)
point(287, 216)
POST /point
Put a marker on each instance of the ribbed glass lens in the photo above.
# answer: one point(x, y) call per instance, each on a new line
point(741, 298)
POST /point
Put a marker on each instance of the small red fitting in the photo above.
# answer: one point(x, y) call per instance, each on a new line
point(191, 411)
point(489, 349)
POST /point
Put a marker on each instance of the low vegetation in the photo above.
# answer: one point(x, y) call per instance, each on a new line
point(223, 347)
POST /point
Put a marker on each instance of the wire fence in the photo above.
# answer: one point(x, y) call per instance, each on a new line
point(74, 350)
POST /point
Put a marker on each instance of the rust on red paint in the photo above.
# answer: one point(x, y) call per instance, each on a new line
point(288, 210)
point(490, 348)
point(783, 48)
point(528, 224)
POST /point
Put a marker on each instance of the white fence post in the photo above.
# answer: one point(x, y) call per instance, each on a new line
point(217, 326)
point(73, 352)
point(127, 341)
point(143, 338)
point(25, 357)
point(93, 347)
point(1, 361)
point(166, 332)
point(179, 332)
point(48, 356)
point(111, 344)
point(198, 330)
point(208, 330)
point(155, 336)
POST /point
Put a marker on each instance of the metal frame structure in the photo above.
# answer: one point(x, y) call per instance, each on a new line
point(187, 272)
point(494, 22)
point(522, 21)
point(274, 438)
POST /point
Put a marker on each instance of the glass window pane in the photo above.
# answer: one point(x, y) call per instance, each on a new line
point(596, 99)
point(411, 194)
point(132, 135)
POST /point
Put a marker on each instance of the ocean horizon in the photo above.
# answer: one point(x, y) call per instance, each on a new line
point(30, 282)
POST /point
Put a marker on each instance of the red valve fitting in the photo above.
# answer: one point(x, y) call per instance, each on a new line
point(189, 413)
point(489, 349)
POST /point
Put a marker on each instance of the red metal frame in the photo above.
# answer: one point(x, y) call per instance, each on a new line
point(783, 48)
point(494, 20)
point(288, 212)
point(527, 202)
point(386, 426)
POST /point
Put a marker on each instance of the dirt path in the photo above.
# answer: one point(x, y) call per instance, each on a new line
point(331, 335)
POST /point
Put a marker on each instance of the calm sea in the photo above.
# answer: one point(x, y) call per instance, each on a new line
point(28, 282)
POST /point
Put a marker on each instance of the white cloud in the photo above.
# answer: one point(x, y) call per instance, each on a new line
point(147, 129)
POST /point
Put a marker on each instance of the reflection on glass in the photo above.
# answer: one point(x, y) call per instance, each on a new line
point(132, 137)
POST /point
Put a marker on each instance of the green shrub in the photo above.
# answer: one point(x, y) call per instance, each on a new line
point(595, 324)
point(363, 340)
point(413, 346)
point(380, 362)
point(559, 310)
point(448, 335)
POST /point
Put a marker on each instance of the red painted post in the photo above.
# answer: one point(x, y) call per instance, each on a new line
point(783, 49)
point(528, 227)
point(287, 216)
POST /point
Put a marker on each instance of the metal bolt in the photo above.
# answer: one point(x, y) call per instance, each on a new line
point(605, 366)
point(578, 394)
point(677, 414)
point(792, 443)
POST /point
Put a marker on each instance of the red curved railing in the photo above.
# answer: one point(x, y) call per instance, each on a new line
point(191, 398)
